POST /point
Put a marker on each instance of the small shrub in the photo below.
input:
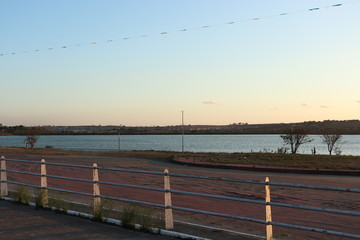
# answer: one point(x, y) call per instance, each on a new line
point(128, 216)
point(102, 209)
point(60, 202)
point(146, 217)
point(282, 150)
point(22, 195)
point(284, 236)
point(337, 151)
point(149, 218)
point(40, 198)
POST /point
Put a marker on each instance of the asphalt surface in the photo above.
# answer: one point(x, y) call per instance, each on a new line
point(24, 222)
point(18, 222)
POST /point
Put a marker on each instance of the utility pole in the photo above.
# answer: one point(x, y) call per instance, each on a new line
point(119, 139)
point(182, 131)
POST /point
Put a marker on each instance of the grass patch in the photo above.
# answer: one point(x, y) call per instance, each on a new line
point(60, 202)
point(40, 198)
point(102, 209)
point(146, 217)
point(22, 195)
point(283, 236)
point(282, 160)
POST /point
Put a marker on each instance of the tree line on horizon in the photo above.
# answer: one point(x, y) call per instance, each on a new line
point(312, 127)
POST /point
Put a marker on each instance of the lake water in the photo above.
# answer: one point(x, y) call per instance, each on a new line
point(192, 143)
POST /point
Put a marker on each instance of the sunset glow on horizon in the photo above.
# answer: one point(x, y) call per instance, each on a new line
point(141, 63)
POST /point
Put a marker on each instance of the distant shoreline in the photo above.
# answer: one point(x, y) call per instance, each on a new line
point(345, 127)
point(6, 134)
point(162, 134)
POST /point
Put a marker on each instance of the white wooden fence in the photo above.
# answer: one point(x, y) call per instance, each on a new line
point(167, 206)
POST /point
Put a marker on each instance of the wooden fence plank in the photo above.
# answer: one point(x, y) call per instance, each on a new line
point(4, 186)
point(269, 231)
point(169, 220)
point(96, 188)
point(43, 192)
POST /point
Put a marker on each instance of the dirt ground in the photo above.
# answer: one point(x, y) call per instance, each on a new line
point(317, 198)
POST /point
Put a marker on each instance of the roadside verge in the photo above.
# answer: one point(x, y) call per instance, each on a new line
point(199, 163)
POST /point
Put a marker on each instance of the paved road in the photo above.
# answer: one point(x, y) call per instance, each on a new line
point(23, 222)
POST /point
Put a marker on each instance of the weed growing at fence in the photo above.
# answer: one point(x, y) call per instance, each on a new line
point(59, 202)
point(149, 218)
point(128, 215)
point(103, 209)
point(22, 195)
point(146, 217)
point(283, 236)
point(40, 198)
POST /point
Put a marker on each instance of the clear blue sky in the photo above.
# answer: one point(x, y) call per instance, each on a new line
point(298, 67)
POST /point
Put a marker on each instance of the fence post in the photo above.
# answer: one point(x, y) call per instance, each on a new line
point(169, 221)
point(44, 192)
point(4, 186)
point(96, 189)
point(269, 231)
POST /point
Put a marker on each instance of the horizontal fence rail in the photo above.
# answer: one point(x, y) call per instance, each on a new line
point(197, 177)
point(199, 194)
point(167, 191)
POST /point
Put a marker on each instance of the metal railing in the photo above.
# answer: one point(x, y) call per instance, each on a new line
point(167, 206)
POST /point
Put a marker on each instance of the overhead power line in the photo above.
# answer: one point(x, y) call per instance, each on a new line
point(177, 31)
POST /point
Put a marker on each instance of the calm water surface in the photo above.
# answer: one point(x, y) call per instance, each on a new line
point(192, 143)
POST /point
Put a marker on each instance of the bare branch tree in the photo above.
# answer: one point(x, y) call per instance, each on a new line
point(32, 136)
point(295, 137)
point(331, 140)
point(31, 140)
